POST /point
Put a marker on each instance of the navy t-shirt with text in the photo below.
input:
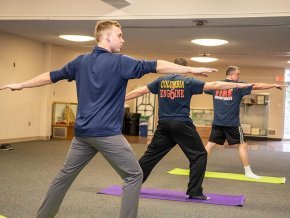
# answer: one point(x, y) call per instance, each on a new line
point(226, 105)
point(174, 95)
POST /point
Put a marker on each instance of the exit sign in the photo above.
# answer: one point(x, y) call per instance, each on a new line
point(279, 78)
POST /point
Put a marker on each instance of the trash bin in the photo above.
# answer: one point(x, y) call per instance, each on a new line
point(131, 122)
point(143, 126)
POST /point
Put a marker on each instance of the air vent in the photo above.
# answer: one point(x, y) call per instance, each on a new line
point(271, 132)
point(59, 132)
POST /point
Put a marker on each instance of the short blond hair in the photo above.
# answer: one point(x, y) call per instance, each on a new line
point(101, 26)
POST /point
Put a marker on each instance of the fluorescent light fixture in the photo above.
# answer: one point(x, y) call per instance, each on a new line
point(203, 59)
point(77, 38)
point(209, 42)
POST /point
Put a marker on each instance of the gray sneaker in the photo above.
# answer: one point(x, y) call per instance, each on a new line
point(5, 147)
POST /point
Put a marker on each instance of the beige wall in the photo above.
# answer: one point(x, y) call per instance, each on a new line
point(19, 108)
point(34, 105)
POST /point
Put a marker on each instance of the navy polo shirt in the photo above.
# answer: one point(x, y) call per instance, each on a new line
point(101, 80)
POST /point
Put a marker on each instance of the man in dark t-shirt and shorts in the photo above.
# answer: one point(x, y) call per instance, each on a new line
point(226, 123)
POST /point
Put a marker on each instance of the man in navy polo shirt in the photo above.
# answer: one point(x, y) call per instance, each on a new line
point(226, 123)
point(176, 127)
point(101, 80)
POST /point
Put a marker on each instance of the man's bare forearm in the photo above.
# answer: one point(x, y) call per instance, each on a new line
point(137, 92)
point(166, 67)
point(219, 85)
point(41, 80)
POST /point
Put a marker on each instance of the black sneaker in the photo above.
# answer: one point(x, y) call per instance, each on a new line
point(198, 197)
point(6, 147)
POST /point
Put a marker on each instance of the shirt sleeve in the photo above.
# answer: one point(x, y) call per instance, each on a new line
point(209, 92)
point(196, 85)
point(154, 86)
point(132, 68)
point(68, 72)
point(246, 91)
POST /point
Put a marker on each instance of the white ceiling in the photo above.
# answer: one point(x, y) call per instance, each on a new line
point(252, 41)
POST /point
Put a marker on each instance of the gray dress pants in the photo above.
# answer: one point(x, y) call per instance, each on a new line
point(117, 151)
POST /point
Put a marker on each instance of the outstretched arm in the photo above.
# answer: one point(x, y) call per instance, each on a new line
point(218, 85)
point(41, 80)
point(262, 86)
point(168, 67)
point(137, 92)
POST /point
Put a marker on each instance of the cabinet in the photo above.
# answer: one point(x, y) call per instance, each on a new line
point(254, 115)
point(202, 119)
point(201, 116)
point(63, 119)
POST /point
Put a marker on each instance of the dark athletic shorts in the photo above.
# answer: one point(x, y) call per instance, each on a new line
point(233, 134)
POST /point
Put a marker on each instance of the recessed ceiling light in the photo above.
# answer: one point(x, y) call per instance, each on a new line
point(77, 38)
point(209, 42)
point(204, 59)
point(288, 62)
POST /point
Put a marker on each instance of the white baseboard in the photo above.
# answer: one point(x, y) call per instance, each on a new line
point(34, 138)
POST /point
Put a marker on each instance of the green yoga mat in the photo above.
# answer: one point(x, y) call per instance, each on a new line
point(233, 176)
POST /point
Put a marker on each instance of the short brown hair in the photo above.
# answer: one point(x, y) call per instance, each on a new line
point(230, 69)
point(180, 61)
point(104, 25)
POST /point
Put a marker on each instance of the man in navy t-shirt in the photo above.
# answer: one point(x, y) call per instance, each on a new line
point(176, 127)
point(226, 123)
point(101, 79)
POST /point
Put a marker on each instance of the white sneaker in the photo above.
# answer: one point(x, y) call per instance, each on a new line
point(252, 176)
point(6, 147)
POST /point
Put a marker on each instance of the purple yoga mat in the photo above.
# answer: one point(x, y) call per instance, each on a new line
point(229, 200)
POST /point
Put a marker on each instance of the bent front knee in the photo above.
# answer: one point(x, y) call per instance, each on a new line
point(140, 175)
point(137, 177)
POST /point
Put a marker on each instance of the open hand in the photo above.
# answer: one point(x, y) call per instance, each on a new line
point(202, 71)
point(277, 86)
point(12, 87)
point(201, 74)
point(207, 70)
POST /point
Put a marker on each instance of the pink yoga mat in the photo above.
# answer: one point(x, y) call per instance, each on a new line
point(229, 200)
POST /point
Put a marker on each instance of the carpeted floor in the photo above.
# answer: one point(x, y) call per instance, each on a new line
point(27, 171)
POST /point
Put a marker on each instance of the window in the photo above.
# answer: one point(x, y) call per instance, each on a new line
point(287, 106)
